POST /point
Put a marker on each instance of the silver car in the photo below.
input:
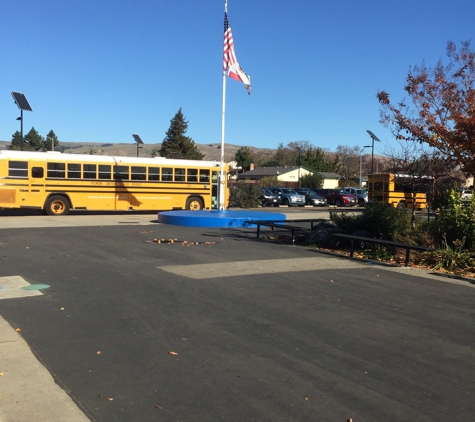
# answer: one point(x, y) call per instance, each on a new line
point(362, 195)
point(289, 197)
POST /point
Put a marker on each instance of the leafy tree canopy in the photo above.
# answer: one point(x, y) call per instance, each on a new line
point(176, 144)
point(442, 113)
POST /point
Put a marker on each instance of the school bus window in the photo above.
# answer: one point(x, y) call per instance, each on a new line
point(56, 170)
point(37, 172)
point(74, 171)
point(121, 172)
point(179, 175)
point(138, 173)
point(192, 175)
point(89, 171)
point(167, 174)
point(18, 169)
point(204, 176)
point(104, 172)
point(154, 173)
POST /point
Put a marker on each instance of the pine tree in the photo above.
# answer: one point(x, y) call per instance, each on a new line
point(16, 141)
point(243, 158)
point(34, 141)
point(176, 144)
point(51, 141)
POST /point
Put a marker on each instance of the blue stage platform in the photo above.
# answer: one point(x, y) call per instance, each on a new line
point(216, 219)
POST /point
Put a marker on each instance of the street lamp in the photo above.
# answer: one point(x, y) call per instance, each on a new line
point(374, 138)
point(299, 150)
point(361, 155)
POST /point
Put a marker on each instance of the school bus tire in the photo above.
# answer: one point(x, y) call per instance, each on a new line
point(194, 203)
point(57, 205)
point(402, 205)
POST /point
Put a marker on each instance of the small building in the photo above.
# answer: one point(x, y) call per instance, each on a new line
point(289, 175)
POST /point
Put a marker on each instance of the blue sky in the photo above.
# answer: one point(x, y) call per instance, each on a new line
point(99, 71)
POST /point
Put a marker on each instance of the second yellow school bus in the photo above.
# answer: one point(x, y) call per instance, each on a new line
point(57, 183)
point(399, 190)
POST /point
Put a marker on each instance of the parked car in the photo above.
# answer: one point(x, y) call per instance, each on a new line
point(361, 194)
point(268, 198)
point(338, 197)
point(289, 197)
point(311, 198)
point(466, 195)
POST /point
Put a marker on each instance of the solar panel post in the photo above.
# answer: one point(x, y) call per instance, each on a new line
point(138, 141)
point(21, 129)
point(23, 104)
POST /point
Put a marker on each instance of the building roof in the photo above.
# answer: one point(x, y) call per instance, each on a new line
point(328, 175)
point(260, 172)
point(270, 171)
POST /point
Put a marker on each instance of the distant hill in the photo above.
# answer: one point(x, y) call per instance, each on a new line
point(211, 151)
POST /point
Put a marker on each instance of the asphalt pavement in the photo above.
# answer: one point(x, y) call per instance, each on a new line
point(125, 319)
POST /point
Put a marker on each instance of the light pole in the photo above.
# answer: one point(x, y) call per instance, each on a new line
point(374, 138)
point(23, 104)
point(299, 150)
point(139, 142)
point(361, 155)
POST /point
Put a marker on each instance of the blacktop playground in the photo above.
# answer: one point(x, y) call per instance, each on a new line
point(116, 317)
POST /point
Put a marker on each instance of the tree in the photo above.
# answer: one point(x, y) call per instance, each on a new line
point(350, 161)
point(442, 114)
point(34, 141)
point(315, 159)
point(312, 181)
point(176, 144)
point(244, 158)
point(51, 141)
point(16, 141)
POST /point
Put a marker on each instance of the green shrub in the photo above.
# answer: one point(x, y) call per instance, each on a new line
point(456, 220)
point(245, 195)
point(381, 221)
point(451, 258)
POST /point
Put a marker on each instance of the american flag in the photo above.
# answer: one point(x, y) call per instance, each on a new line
point(229, 58)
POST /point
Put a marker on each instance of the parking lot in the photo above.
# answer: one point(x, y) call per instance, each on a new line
point(216, 325)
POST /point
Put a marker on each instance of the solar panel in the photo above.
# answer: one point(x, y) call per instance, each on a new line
point(21, 101)
point(137, 139)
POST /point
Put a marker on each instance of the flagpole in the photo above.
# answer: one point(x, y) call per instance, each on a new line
point(222, 181)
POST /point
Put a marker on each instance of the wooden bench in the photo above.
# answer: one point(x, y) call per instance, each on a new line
point(283, 225)
point(362, 239)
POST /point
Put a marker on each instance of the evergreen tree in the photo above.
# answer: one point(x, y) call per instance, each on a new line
point(16, 141)
point(34, 141)
point(315, 159)
point(243, 158)
point(176, 144)
point(51, 141)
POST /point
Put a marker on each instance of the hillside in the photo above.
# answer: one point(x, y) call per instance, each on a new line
point(211, 151)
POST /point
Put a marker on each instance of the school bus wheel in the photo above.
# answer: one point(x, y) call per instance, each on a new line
point(194, 204)
point(57, 205)
point(402, 205)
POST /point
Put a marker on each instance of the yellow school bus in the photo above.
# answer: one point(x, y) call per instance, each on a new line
point(57, 183)
point(400, 190)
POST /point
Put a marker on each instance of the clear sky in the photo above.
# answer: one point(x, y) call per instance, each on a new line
point(100, 71)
